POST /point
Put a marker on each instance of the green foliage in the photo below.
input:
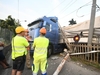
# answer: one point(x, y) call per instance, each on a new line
point(72, 22)
point(9, 23)
point(94, 65)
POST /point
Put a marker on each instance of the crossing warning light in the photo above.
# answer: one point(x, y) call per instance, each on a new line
point(76, 38)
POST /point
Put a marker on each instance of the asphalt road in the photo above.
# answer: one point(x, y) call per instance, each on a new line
point(69, 68)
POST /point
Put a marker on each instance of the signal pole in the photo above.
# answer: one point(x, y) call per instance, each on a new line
point(92, 20)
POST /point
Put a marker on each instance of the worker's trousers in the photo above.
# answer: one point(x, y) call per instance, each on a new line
point(28, 59)
point(39, 63)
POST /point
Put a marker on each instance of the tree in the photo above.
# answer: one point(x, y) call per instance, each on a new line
point(3, 24)
point(9, 23)
point(72, 22)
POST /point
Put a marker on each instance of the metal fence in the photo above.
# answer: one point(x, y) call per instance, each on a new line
point(5, 36)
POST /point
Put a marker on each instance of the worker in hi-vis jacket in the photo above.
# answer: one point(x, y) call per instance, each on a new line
point(40, 46)
point(19, 51)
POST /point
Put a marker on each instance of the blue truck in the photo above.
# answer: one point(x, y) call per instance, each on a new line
point(53, 33)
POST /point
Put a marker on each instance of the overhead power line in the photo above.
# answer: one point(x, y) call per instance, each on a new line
point(75, 10)
point(55, 7)
point(69, 4)
point(88, 13)
point(79, 9)
point(84, 15)
point(98, 8)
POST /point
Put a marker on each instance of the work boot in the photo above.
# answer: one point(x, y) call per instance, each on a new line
point(44, 74)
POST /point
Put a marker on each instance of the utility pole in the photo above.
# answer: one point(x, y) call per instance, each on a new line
point(18, 12)
point(92, 20)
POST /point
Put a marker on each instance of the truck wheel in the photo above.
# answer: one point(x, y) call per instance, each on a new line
point(49, 52)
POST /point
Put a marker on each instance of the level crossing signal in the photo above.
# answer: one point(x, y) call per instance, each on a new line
point(76, 38)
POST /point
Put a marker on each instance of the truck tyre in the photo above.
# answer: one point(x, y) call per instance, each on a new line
point(50, 50)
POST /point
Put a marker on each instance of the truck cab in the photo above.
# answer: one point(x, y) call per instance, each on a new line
point(51, 25)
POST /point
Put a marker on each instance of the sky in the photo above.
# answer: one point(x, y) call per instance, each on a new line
point(29, 10)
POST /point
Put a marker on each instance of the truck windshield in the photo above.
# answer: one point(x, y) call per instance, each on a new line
point(35, 25)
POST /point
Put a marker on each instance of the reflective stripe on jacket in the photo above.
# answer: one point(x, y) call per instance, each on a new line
point(40, 44)
point(19, 45)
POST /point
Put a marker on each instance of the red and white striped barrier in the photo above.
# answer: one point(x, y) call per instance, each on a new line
point(61, 65)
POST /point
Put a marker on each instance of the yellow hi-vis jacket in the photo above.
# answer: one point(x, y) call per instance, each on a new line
point(40, 44)
point(19, 45)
